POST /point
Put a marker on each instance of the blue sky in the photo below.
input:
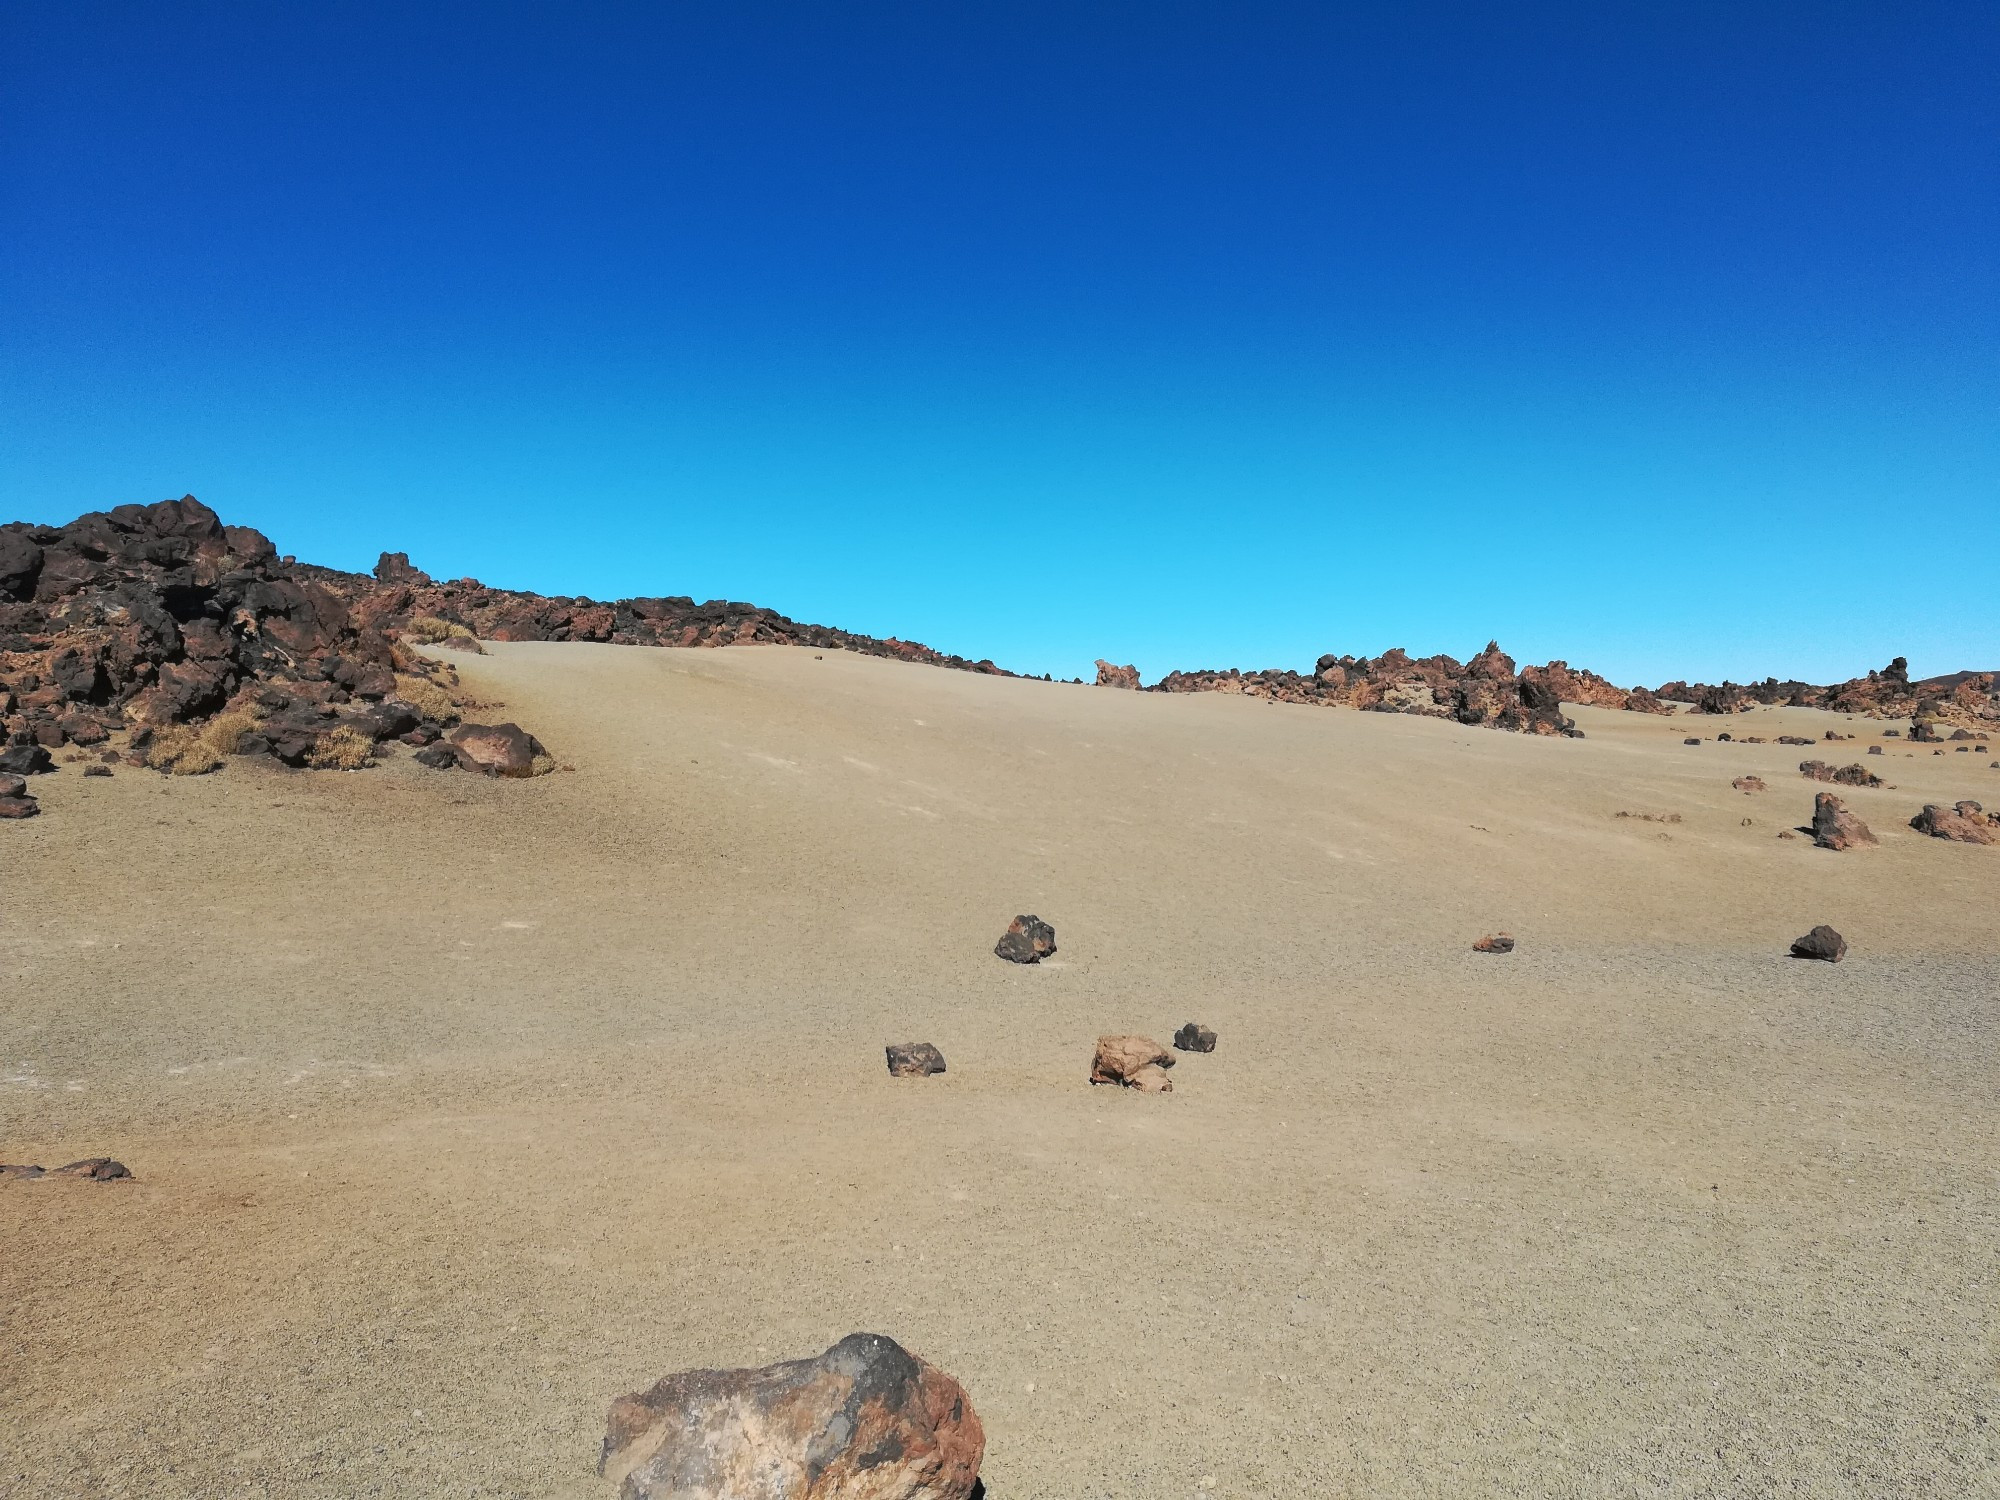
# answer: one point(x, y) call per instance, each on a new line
point(1662, 338)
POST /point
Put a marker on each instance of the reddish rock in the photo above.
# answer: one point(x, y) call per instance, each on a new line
point(1834, 827)
point(95, 1169)
point(1151, 1079)
point(1856, 775)
point(19, 807)
point(1117, 677)
point(1027, 940)
point(1964, 823)
point(1495, 942)
point(914, 1060)
point(495, 749)
point(1194, 1037)
point(394, 568)
point(1821, 943)
point(867, 1420)
point(1750, 784)
point(19, 1170)
point(1119, 1058)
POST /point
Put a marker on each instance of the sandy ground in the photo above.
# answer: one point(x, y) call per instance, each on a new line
point(459, 1107)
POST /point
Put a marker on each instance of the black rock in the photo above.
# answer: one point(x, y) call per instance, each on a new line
point(1027, 940)
point(914, 1059)
point(26, 760)
point(437, 757)
point(1822, 942)
point(1194, 1038)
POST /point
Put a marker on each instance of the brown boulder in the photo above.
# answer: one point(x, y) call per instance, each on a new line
point(496, 749)
point(1117, 677)
point(21, 1170)
point(914, 1059)
point(1750, 784)
point(1834, 827)
point(26, 760)
point(1964, 823)
point(1119, 1059)
point(1822, 943)
point(867, 1420)
point(1856, 775)
point(1027, 940)
point(19, 807)
point(95, 1168)
point(1495, 942)
point(1151, 1079)
point(1194, 1037)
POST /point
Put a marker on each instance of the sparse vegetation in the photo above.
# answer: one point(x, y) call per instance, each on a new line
point(429, 630)
point(541, 765)
point(224, 733)
point(426, 697)
point(182, 750)
point(342, 749)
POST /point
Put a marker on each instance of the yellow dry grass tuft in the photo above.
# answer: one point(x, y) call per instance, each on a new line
point(224, 733)
point(426, 697)
point(429, 630)
point(181, 750)
point(342, 749)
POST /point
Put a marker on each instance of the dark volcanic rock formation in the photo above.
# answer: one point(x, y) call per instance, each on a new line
point(1194, 1037)
point(1027, 940)
point(1821, 943)
point(1834, 827)
point(1966, 699)
point(867, 1420)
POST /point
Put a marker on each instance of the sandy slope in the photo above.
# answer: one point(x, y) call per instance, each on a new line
point(460, 1107)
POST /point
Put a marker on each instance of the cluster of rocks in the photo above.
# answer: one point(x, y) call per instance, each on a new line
point(1966, 699)
point(1962, 822)
point(1854, 775)
point(90, 1169)
point(866, 1420)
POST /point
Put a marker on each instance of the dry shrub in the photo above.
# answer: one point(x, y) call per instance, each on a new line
point(427, 629)
point(181, 750)
point(426, 697)
point(224, 733)
point(541, 765)
point(342, 749)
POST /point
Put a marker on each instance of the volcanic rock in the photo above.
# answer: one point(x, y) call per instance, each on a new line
point(1822, 942)
point(438, 757)
point(95, 1169)
point(1027, 940)
point(1750, 784)
point(496, 749)
point(1855, 775)
point(1194, 1037)
point(1965, 823)
point(394, 568)
point(1151, 1079)
point(26, 760)
point(12, 1168)
point(1119, 1058)
point(866, 1420)
point(19, 806)
point(1117, 677)
point(1495, 942)
point(914, 1059)
point(1834, 827)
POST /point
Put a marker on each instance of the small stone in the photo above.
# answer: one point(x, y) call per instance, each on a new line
point(1750, 784)
point(1194, 1037)
point(95, 1168)
point(1495, 942)
point(1027, 940)
point(97, 770)
point(1692, 740)
point(1822, 943)
point(1120, 1058)
point(914, 1060)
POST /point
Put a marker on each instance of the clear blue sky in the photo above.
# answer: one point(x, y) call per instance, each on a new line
point(1662, 337)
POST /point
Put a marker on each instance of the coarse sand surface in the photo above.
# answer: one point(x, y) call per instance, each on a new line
point(459, 1107)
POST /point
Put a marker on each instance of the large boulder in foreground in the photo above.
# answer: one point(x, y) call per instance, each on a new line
point(1027, 940)
point(1834, 827)
point(1821, 943)
point(1964, 823)
point(867, 1420)
point(496, 749)
point(1134, 1061)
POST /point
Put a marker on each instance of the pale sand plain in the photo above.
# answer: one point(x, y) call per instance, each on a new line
point(460, 1107)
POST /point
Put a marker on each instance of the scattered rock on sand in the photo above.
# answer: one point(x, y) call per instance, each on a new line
point(1692, 740)
point(1856, 775)
point(1027, 940)
point(497, 749)
point(1151, 1079)
point(867, 1420)
point(91, 1168)
point(1495, 942)
point(1109, 675)
point(1750, 784)
point(19, 1169)
point(97, 770)
point(914, 1059)
point(1965, 823)
point(14, 799)
point(1834, 827)
point(1194, 1037)
point(1120, 1059)
point(1822, 942)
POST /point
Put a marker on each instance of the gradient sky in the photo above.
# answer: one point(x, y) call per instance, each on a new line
point(1659, 337)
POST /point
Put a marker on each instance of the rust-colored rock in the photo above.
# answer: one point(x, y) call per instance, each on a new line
point(1495, 942)
point(94, 1169)
point(1120, 1058)
point(1109, 675)
point(1821, 943)
point(1964, 823)
point(1151, 1079)
point(1194, 1037)
point(1027, 940)
point(1834, 827)
point(867, 1420)
point(19, 807)
point(1855, 775)
point(1750, 784)
point(914, 1059)
point(496, 749)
